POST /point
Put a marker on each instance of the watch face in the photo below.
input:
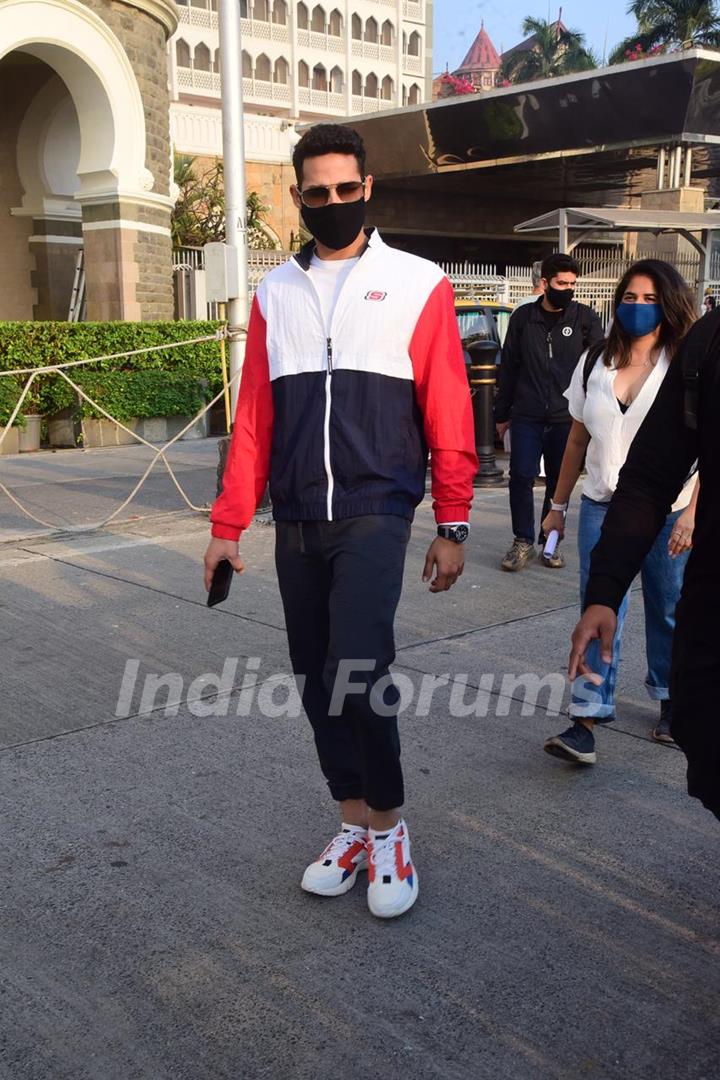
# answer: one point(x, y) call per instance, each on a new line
point(461, 533)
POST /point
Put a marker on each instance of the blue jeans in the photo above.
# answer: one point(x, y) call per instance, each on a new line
point(531, 440)
point(662, 579)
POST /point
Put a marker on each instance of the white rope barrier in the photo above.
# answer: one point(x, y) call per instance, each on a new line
point(159, 453)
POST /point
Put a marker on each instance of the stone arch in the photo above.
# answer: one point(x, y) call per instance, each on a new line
point(387, 34)
point(318, 19)
point(371, 30)
point(414, 46)
point(357, 83)
point(281, 71)
point(280, 13)
point(337, 80)
point(263, 68)
point(303, 74)
point(388, 88)
point(357, 27)
point(247, 65)
point(203, 57)
point(182, 53)
point(335, 23)
point(303, 19)
point(94, 67)
point(371, 85)
point(414, 95)
point(319, 77)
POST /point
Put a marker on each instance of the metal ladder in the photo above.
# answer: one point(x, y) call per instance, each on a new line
point(77, 297)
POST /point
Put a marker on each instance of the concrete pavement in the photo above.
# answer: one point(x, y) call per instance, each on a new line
point(152, 923)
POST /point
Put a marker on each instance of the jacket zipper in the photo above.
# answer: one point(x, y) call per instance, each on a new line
point(328, 390)
point(550, 360)
point(326, 430)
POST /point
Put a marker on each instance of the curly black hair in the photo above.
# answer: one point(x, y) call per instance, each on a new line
point(328, 139)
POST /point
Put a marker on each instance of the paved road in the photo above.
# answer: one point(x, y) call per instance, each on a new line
point(152, 924)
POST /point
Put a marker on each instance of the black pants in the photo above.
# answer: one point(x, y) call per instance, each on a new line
point(340, 583)
point(529, 441)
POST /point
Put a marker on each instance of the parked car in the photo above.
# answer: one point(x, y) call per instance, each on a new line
point(471, 316)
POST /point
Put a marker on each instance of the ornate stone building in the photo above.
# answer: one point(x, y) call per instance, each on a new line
point(85, 157)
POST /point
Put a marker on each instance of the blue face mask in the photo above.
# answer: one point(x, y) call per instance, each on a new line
point(639, 319)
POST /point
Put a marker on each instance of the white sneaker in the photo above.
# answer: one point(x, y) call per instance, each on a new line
point(393, 880)
point(336, 870)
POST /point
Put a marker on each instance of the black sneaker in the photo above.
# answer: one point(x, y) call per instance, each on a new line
point(577, 744)
point(518, 556)
point(662, 733)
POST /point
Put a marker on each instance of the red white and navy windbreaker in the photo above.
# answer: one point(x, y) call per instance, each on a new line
point(341, 425)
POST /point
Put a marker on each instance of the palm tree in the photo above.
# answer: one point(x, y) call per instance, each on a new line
point(664, 23)
point(198, 215)
point(555, 51)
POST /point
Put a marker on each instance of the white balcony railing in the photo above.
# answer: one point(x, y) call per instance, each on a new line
point(373, 50)
point(205, 82)
point(413, 65)
point(325, 100)
point(413, 9)
point(266, 91)
point(369, 104)
point(266, 31)
point(194, 16)
point(329, 42)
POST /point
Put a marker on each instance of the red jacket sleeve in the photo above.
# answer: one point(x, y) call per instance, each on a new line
point(443, 395)
point(248, 462)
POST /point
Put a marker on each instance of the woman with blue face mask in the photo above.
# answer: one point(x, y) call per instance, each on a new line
point(611, 392)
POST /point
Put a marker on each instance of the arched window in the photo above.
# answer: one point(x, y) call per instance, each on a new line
point(335, 23)
point(281, 71)
point(303, 74)
point(217, 61)
point(357, 86)
point(261, 11)
point(319, 79)
point(263, 68)
point(371, 85)
point(387, 35)
point(279, 15)
point(337, 80)
point(371, 30)
point(318, 20)
point(388, 89)
point(302, 17)
point(414, 44)
point(202, 57)
point(247, 65)
point(182, 53)
point(356, 23)
point(414, 95)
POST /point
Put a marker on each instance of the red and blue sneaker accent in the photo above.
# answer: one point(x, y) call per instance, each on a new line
point(392, 878)
point(335, 871)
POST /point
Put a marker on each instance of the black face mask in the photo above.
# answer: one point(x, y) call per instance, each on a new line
point(337, 224)
point(559, 298)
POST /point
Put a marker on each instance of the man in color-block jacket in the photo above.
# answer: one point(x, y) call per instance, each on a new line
point(353, 371)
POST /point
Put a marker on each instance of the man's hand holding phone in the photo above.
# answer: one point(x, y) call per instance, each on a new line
point(217, 551)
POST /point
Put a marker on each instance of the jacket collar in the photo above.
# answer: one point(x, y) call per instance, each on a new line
point(537, 311)
point(305, 254)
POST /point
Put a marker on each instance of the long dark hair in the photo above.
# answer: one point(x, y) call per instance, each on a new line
point(676, 299)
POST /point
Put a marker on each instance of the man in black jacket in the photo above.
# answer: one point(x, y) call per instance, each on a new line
point(544, 343)
point(683, 425)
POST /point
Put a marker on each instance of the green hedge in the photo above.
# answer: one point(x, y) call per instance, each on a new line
point(165, 383)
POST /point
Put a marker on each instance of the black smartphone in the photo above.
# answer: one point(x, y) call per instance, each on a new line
point(220, 585)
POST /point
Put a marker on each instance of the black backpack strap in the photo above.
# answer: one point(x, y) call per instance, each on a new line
point(593, 355)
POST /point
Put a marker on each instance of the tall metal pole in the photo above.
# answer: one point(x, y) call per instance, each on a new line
point(229, 29)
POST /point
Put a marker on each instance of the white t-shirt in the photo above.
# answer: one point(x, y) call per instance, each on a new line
point(328, 277)
point(612, 431)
